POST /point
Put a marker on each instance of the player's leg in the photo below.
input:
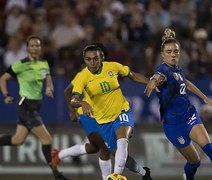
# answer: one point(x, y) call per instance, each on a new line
point(200, 135)
point(94, 145)
point(15, 139)
point(193, 161)
point(104, 156)
point(123, 134)
point(45, 138)
point(123, 127)
point(133, 166)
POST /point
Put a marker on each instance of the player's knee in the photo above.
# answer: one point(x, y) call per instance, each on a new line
point(17, 140)
point(91, 148)
point(46, 140)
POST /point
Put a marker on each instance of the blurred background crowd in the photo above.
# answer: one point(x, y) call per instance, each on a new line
point(131, 30)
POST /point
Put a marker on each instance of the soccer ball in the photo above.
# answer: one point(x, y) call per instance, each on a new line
point(116, 177)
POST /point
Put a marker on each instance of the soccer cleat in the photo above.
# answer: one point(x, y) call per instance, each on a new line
point(115, 176)
point(59, 176)
point(147, 176)
point(55, 159)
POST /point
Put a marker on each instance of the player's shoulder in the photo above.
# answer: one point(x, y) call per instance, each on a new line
point(111, 64)
point(82, 73)
point(163, 67)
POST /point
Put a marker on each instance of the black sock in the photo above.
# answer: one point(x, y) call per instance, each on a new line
point(46, 149)
point(6, 140)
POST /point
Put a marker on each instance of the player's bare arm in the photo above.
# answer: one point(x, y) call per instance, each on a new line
point(191, 87)
point(138, 77)
point(86, 108)
point(155, 81)
point(3, 84)
point(49, 86)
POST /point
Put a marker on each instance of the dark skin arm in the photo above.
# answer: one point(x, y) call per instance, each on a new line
point(72, 111)
point(86, 107)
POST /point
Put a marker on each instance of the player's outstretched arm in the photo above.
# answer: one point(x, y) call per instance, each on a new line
point(138, 77)
point(191, 87)
point(155, 81)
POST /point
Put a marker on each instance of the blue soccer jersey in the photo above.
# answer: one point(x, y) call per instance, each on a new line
point(175, 106)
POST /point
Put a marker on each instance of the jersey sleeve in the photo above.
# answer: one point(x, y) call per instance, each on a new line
point(162, 71)
point(78, 83)
point(122, 69)
point(17, 67)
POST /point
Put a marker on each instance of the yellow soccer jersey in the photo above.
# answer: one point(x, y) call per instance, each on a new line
point(104, 91)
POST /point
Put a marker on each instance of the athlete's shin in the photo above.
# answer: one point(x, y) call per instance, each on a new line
point(106, 167)
point(121, 155)
point(190, 170)
point(46, 149)
point(208, 150)
point(133, 166)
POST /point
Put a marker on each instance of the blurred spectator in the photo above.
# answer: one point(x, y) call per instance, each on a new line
point(156, 17)
point(40, 25)
point(15, 15)
point(201, 55)
point(16, 50)
point(68, 33)
point(181, 11)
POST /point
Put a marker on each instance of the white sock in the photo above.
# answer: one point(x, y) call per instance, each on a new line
point(141, 171)
point(133, 166)
point(121, 155)
point(106, 167)
point(76, 150)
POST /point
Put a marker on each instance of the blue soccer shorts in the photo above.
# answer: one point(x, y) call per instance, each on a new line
point(108, 130)
point(89, 124)
point(178, 134)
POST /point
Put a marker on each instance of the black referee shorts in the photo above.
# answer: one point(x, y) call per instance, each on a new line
point(28, 113)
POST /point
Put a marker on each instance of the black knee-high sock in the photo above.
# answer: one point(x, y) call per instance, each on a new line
point(6, 140)
point(46, 149)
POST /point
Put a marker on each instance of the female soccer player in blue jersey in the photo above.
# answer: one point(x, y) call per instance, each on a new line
point(108, 105)
point(181, 122)
point(31, 72)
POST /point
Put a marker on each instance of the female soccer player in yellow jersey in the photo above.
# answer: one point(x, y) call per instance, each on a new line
point(107, 104)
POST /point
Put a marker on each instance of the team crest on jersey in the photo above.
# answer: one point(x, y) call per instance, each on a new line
point(181, 140)
point(110, 73)
point(176, 76)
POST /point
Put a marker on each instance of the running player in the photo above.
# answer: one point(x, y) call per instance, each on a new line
point(108, 105)
point(30, 72)
point(181, 122)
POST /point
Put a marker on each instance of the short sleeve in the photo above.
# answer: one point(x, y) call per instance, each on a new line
point(122, 69)
point(78, 83)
